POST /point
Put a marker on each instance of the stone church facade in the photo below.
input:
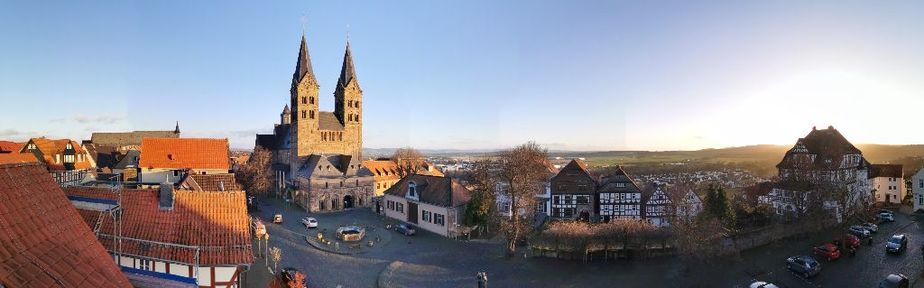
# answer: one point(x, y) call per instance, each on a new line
point(317, 155)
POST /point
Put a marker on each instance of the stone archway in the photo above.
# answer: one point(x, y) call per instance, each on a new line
point(347, 201)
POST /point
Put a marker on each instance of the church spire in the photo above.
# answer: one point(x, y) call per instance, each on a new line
point(303, 66)
point(177, 130)
point(347, 72)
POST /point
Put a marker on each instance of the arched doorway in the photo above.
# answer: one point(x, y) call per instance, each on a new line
point(347, 201)
point(584, 216)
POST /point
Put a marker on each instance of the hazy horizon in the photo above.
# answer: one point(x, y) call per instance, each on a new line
point(578, 76)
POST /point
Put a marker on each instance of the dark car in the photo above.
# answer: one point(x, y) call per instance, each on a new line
point(405, 229)
point(803, 265)
point(897, 244)
point(288, 274)
point(859, 231)
point(895, 281)
point(851, 241)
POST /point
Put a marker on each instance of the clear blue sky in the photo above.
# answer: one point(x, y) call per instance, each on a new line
point(473, 74)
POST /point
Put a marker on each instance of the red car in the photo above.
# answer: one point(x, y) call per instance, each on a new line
point(851, 241)
point(827, 251)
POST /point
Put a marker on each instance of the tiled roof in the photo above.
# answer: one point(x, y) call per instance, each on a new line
point(610, 183)
point(7, 158)
point(827, 146)
point(49, 148)
point(389, 169)
point(886, 170)
point(180, 153)
point(216, 182)
point(44, 242)
point(328, 121)
point(10, 147)
point(217, 222)
point(573, 178)
point(119, 139)
point(439, 191)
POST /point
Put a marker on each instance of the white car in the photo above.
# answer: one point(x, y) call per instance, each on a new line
point(762, 284)
point(886, 217)
point(310, 222)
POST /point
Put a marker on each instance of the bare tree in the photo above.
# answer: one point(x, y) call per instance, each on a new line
point(256, 175)
point(409, 160)
point(523, 169)
point(482, 184)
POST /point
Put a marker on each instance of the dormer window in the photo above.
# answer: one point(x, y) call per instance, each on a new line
point(621, 185)
point(69, 146)
point(412, 191)
point(31, 146)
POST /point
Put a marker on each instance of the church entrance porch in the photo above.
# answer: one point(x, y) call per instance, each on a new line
point(347, 202)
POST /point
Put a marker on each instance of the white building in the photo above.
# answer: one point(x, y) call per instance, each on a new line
point(888, 183)
point(664, 204)
point(433, 203)
point(917, 188)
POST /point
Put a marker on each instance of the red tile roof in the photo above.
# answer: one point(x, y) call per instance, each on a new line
point(217, 222)
point(44, 242)
point(49, 148)
point(8, 158)
point(10, 147)
point(183, 153)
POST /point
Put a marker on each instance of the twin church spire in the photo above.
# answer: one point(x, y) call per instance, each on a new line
point(303, 66)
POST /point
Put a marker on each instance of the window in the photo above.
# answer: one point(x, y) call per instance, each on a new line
point(583, 199)
point(303, 114)
point(304, 100)
point(144, 264)
point(57, 158)
point(350, 117)
point(311, 114)
point(920, 183)
point(350, 103)
point(412, 190)
point(356, 105)
point(311, 100)
point(176, 173)
point(32, 147)
point(621, 185)
point(390, 204)
point(399, 207)
point(427, 216)
point(439, 219)
point(356, 118)
point(920, 199)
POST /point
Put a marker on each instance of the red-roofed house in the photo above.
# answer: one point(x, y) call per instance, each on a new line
point(58, 155)
point(194, 234)
point(169, 159)
point(433, 203)
point(7, 147)
point(44, 242)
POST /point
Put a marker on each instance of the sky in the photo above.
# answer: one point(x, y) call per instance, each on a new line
point(569, 75)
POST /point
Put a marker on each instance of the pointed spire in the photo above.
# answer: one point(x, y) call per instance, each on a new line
point(177, 129)
point(286, 109)
point(303, 66)
point(347, 72)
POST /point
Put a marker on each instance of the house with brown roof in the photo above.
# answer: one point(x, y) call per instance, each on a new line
point(823, 159)
point(619, 197)
point(664, 204)
point(45, 242)
point(209, 182)
point(173, 234)
point(10, 147)
point(573, 192)
point(58, 154)
point(433, 203)
point(168, 160)
point(888, 183)
point(123, 141)
point(386, 172)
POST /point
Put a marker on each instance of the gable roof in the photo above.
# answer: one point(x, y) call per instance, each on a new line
point(827, 146)
point(316, 165)
point(216, 222)
point(185, 153)
point(8, 158)
point(886, 170)
point(389, 169)
point(44, 242)
point(435, 190)
point(134, 138)
point(48, 148)
point(610, 183)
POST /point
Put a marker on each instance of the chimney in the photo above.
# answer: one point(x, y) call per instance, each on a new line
point(166, 197)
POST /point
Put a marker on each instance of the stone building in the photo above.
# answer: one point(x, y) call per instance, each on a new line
point(317, 155)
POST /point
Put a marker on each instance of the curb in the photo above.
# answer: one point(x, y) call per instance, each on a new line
point(325, 249)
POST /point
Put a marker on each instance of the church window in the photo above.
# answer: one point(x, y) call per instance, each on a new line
point(356, 105)
point(310, 100)
point(350, 117)
point(356, 118)
point(304, 100)
point(303, 114)
point(350, 103)
point(311, 113)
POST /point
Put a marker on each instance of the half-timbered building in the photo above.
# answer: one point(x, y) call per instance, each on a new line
point(573, 192)
point(620, 197)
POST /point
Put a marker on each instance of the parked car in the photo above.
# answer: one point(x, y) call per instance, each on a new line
point(405, 229)
point(762, 284)
point(897, 244)
point(886, 217)
point(277, 218)
point(873, 228)
point(886, 211)
point(851, 241)
point(310, 222)
point(803, 265)
point(895, 281)
point(827, 251)
point(288, 274)
point(858, 231)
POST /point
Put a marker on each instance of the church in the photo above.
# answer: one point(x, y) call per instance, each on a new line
point(317, 155)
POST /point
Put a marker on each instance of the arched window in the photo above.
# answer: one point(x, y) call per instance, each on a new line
point(356, 105)
point(412, 190)
point(304, 100)
point(356, 118)
point(310, 100)
point(303, 114)
point(311, 113)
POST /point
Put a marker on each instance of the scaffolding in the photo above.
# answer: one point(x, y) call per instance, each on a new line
point(106, 207)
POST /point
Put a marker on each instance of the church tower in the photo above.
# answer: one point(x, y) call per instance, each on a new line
point(348, 104)
point(286, 116)
point(304, 102)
